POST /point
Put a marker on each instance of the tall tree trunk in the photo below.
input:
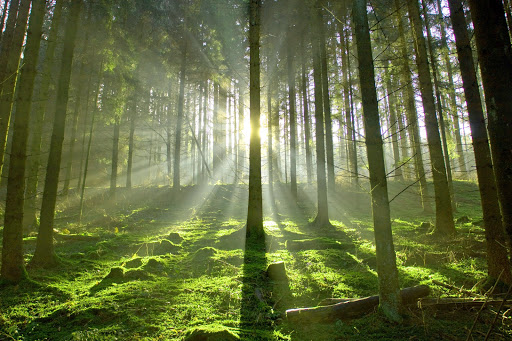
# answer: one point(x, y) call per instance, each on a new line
point(412, 116)
point(176, 183)
point(205, 129)
point(329, 147)
point(444, 213)
point(255, 205)
point(38, 114)
point(389, 288)
point(452, 96)
point(442, 126)
point(497, 260)
point(393, 124)
point(270, 135)
point(44, 254)
point(115, 157)
point(7, 36)
point(307, 129)
point(240, 150)
point(322, 218)
point(495, 57)
point(12, 243)
point(129, 166)
point(10, 75)
point(293, 119)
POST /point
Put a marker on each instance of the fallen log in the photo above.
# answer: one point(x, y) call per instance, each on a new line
point(352, 309)
point(454, 304)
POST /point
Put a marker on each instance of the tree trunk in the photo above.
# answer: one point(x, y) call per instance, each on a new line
point(44, 254)
point(270, 136)
point(412, 116)
point(255, 205)
point(442, 127)
point(393, 124)
point(2, 20)
point(10, 75)
point(322, 218)
point(12, 244)
point(329, 147)
point(36, 126)
point(129, 166)
point(293, 119)
point(389, 288)
point(495, 57)
point(444, 213)
point(115, 157)
point(452, 95)
point(176, 183)
point(497, 259)
point(307, 129)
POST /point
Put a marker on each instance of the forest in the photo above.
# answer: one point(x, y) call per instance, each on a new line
point(255, 170)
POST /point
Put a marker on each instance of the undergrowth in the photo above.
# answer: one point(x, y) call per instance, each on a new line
point(157, 265)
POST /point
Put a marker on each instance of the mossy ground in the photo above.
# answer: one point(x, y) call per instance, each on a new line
point(127, 275)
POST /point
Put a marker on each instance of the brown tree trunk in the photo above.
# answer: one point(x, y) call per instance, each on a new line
point(176, 183)
point(255, 204)
point(293, 119)
point(13, 269)
point(307, 128)
point(44, 254)
point(497, 259)
point(444, 213)
point(495, 57)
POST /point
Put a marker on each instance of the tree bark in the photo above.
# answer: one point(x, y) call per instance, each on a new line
point(176, 183)
point(444, 213)
point(412, 116)
point(293, 120)
point(39, 112)
point(44, 254)
point(393, 124)
point(255, 205)
point(389, 288)
point(307, 128)
point(322, 217)
point(10, 75)
point(13, 269)
point(497, 259)
point(495, 57)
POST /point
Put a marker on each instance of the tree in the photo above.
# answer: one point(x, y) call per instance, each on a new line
point(44, 254)
point(12, 250)
point(389, 289)
point(444, 213)
point(495, 57)
point(255, 205)
point(322, 217)
point(497, 260)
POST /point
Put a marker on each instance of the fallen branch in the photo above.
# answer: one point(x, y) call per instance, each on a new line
point(451, 287)
point(353, 308)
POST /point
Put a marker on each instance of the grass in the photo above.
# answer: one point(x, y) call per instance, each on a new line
point(155, 265)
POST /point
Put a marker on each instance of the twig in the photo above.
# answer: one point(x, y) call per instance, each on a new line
point(497, 314)
point(482, 307)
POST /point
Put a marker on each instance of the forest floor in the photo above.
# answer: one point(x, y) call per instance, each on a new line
point(157, 265)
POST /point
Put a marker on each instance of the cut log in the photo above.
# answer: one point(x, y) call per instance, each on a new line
point(277, 272)
point(352, 309)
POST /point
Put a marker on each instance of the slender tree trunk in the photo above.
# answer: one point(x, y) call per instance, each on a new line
point(329, 147)
point(389, 288)
point(240, 151)
point(129, 166)
point(393, 124)
point(444, 213)
point(442, 126)
point(7, 36)
point(44, 254)
point(115, 157)
point(9, 77)
point(36, 126)
point(270, 152)
point(307, 129)
point(13, 269)
point(495, 57)
point(293, 118)
point(255, 205)
point(179, 122)
point(322, 218)
point(412, 116)
point(204, 140)
point(452, 97)
point(508, 14)
point(497, 260)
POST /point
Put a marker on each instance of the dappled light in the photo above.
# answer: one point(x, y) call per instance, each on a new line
point(255, 170)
